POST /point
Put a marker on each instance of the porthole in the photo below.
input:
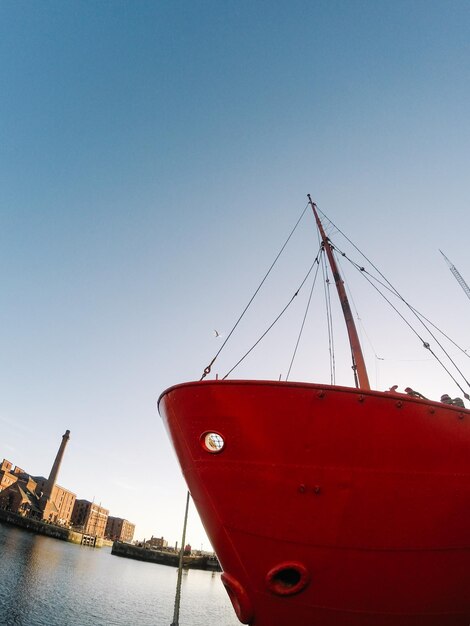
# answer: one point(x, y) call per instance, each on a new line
point(287, 579)
point(213, 442)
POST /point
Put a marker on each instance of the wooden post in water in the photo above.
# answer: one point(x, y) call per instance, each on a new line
point(176, 612)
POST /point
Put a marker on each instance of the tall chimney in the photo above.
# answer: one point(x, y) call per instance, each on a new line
point(49, 486)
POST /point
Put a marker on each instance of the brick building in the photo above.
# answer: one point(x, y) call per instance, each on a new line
point(63, 500)
point(38, 497)
point(118, 529)
point(157, 542)
point(89, 518)
point(21, 497)
point(7, 474)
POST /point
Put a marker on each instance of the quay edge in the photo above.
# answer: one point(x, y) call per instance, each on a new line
point(160, 557)
point(49, 530)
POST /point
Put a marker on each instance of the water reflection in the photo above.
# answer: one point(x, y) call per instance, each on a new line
point(19, 604)
point(46, 582)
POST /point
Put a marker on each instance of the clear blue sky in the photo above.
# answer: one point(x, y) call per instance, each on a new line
point(153, 158)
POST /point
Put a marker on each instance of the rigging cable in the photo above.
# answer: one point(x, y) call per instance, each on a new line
point(418, 315)
point(208, 368)
point(303, 321)
point(426, 344)
point(329, 319)
point(329, 311)
point(360, 322)
point(358, 317)
point(442, 333)
point(415, 310)
point(275, 320)
point(396, 293)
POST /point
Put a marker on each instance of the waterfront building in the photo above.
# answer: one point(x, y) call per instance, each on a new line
point(36, 497)
point(20, 497)
point(118, 529)
point(156, 542)
point(89, 518)
point(62, 498)
point(7, 474)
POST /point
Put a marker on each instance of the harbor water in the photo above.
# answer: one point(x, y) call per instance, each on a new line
point(47, 582)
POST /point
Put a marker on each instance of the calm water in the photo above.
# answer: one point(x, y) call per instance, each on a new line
point(46, 582)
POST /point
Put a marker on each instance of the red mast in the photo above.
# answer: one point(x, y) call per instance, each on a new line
point(359, 366)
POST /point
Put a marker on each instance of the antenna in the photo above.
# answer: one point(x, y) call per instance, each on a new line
point(457, 275)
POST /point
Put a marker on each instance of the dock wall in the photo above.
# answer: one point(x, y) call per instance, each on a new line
point(50, 530)
point(163, 558)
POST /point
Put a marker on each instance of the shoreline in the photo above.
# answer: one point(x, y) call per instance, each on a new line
point(129, 551)
point(49, 530)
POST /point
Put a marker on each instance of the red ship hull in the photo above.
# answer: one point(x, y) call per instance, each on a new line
point(330, 506)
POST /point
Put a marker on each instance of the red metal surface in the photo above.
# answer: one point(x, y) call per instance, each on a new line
point(330, 506)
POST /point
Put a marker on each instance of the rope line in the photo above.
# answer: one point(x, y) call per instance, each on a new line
point(209, 367)
point(303, 321)
point(369, 277)
point(379, 282)
point(274, 322)
point(393, 289)
point(329, 319)
point(418, 315)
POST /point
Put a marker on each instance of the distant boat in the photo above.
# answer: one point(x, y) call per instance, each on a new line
point(329, 505)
